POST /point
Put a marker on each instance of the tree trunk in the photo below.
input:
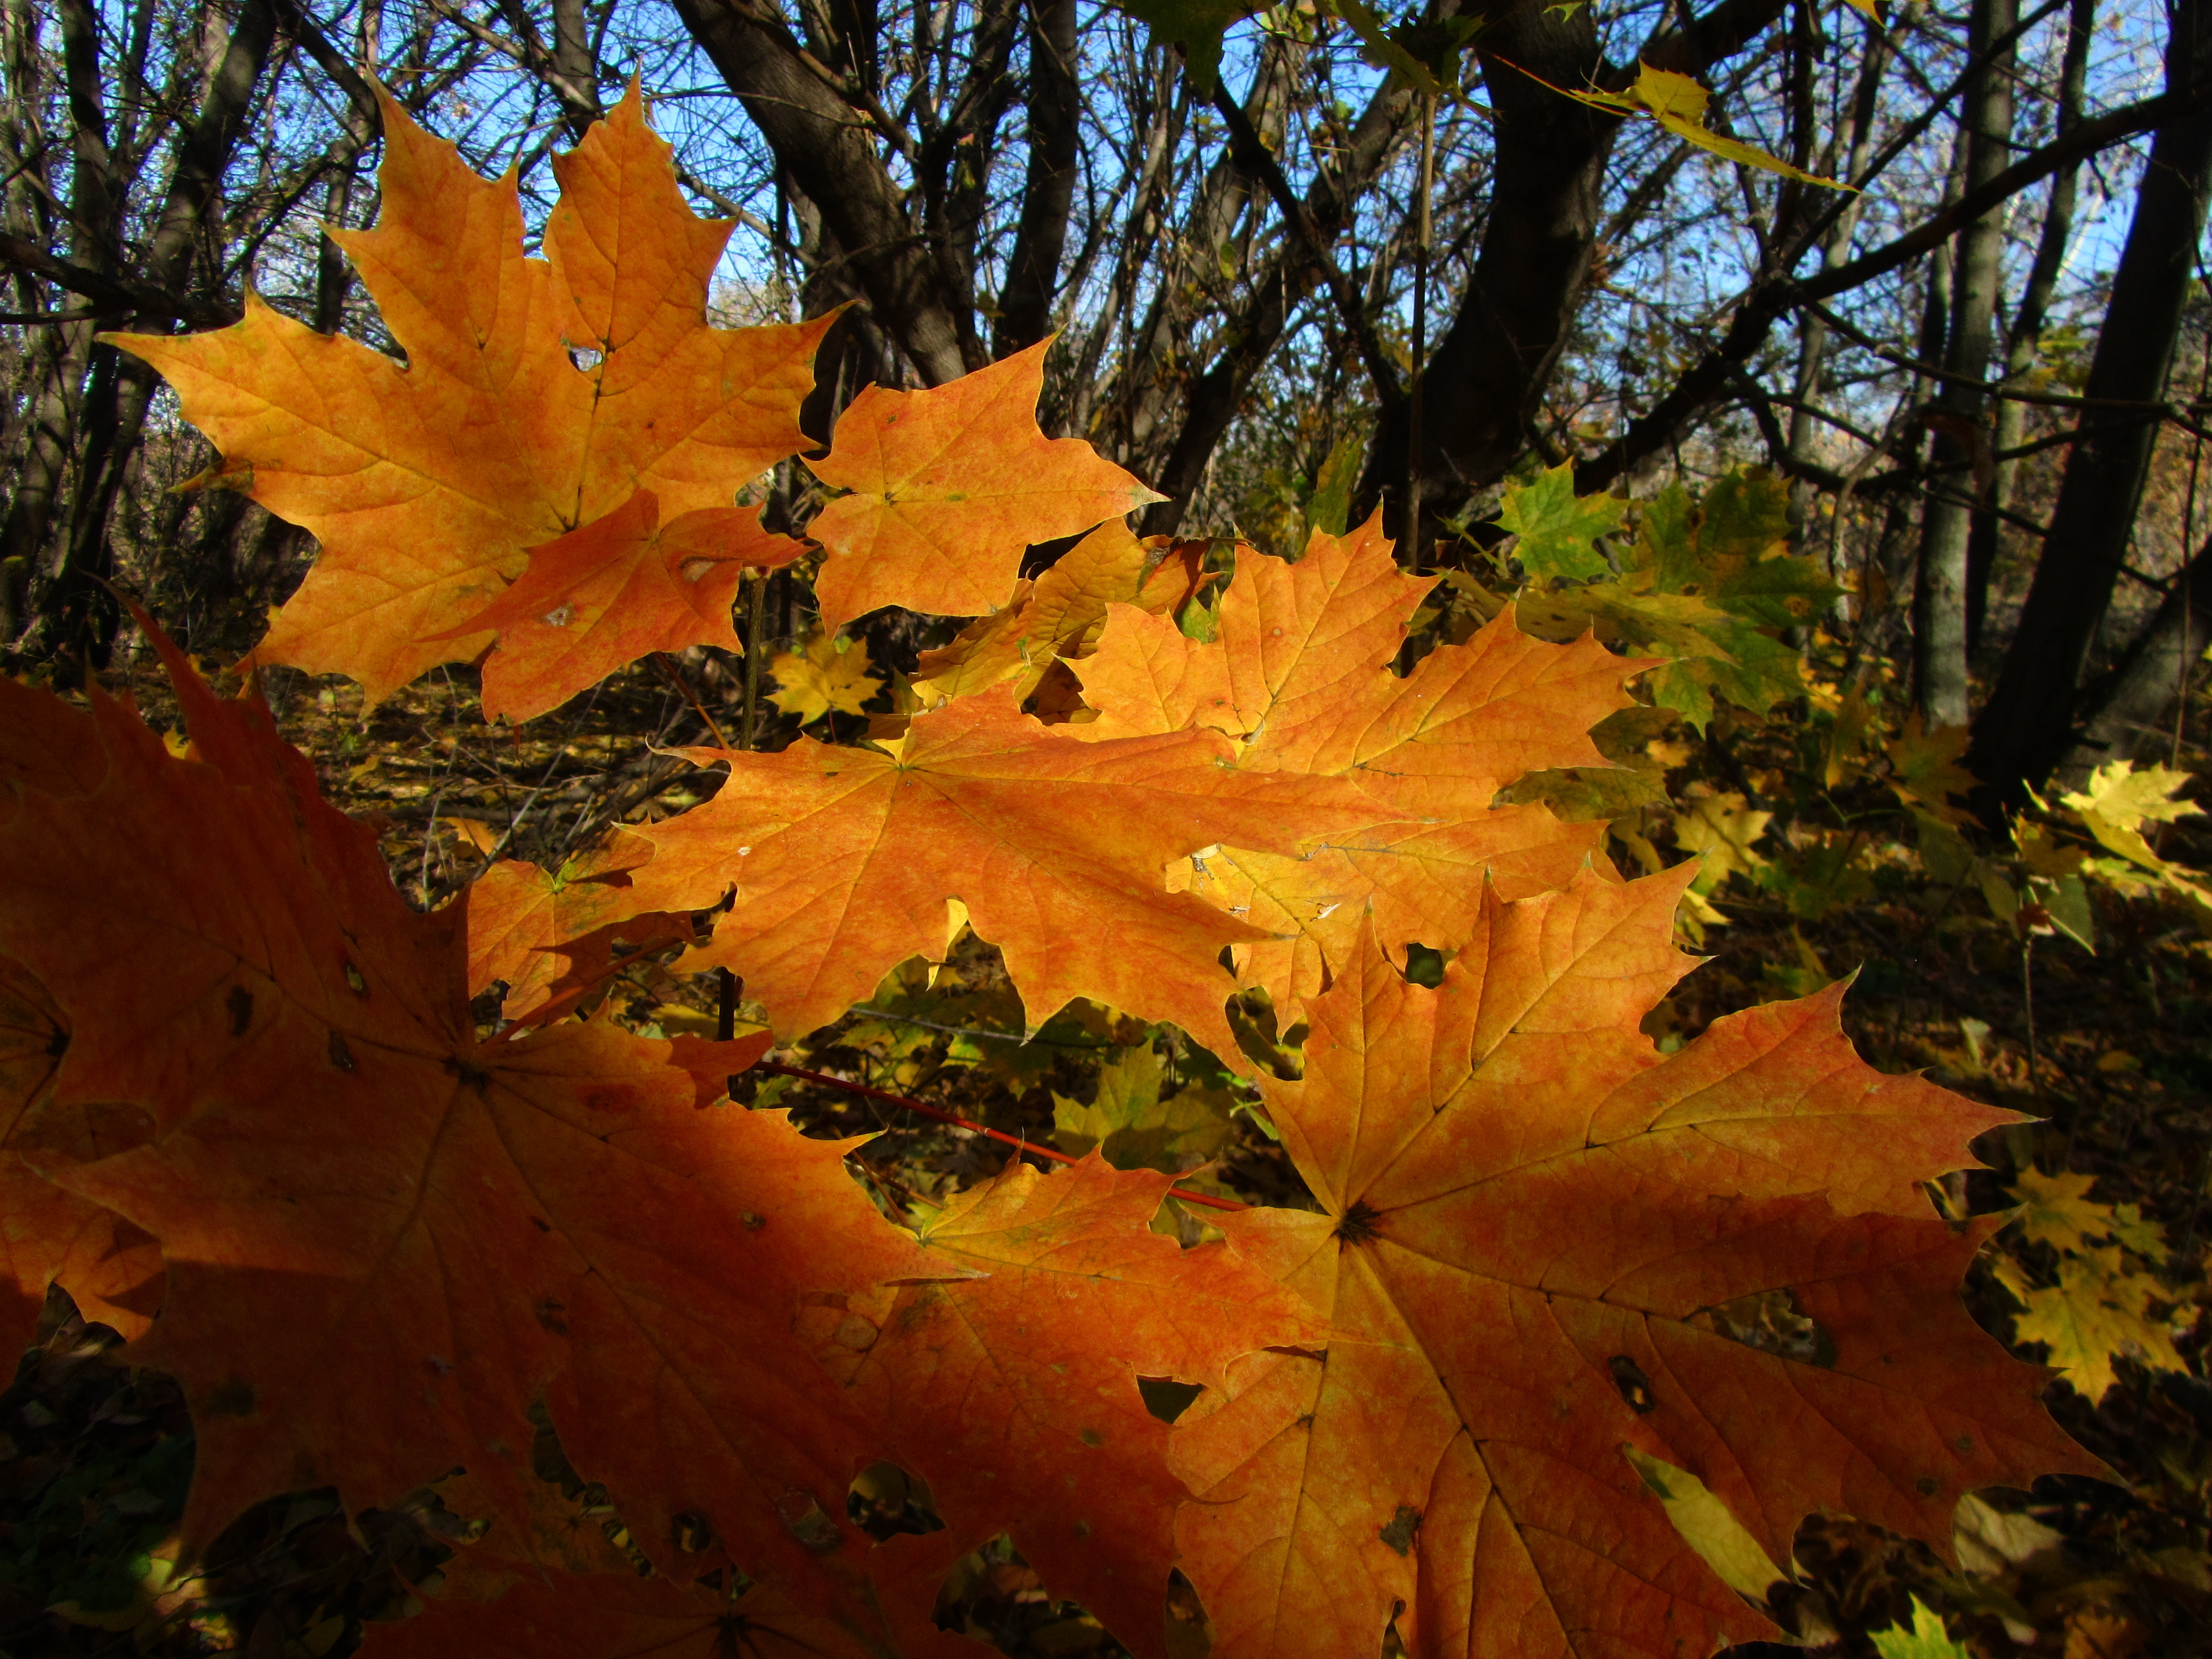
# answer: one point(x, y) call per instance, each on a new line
point(2124, 711)
point(1055, 111)
point(1852, 145)
point(2028, 726)
point(2024, 340)
point(82, 616)
point(1485, 377)
point(1939, 599)
point(817, 136)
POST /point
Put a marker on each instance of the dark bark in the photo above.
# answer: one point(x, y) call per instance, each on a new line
point(2024, 339)
point(1055, 110)
point(574, 62)
point(2124, 711)
point(817, 137)
point(2028, 726)
point(82, 615)
point(1486, 377)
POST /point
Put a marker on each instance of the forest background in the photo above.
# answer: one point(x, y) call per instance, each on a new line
point(1324, 265)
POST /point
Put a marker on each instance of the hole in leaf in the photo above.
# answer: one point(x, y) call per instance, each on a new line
point(884, 1501)
point(1635, 1387)
point(690, 1532)
point(1167, 1398)
point(994, 1595)
point(1425, 966)
point(1773, 1321)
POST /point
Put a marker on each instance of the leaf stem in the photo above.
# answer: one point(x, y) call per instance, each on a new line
point(957, 1121)
point(756, 625)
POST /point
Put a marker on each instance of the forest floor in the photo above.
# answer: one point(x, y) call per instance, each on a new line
point(2110, 1051)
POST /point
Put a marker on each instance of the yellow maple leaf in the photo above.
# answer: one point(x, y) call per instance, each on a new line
point(2120, 800)
point(1722, 829)
point(1678, 103)
point(2098, 1312)
point(1924, 770)
point(2058, 1211)
point(830, 672)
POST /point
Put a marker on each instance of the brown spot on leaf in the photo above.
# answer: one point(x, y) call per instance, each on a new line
point(1399, 1533)
point(1635, 1387)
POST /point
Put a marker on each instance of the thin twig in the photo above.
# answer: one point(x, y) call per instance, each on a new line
point(683, 684)
point(957, 1121)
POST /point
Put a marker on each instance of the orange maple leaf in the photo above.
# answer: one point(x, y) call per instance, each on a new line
point(1300, 675)
point(546, 932)
point(1059, 616)
point(537, 397)
point(844, 860)
point(948, 486)
point(49, 1236)
point(385, 1238)
point(615, 590)
point(1535, 1231)
point(993, 1383)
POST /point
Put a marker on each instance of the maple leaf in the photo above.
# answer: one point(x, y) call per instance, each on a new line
point(616, 589)
point(1061, 614)
point(831, 673)
point(844, 860)
point(990, 1381)
point(2117, 803)
point(1707, 584)
point(425, 483)
point(1535, 1228)
point(2098, 1312)
point(947, 486)
point(1723, 828)
point(385, 1238)
point(546, 932)
point(1927, 1639)
point(49, 1236)
point(1678, 103)
point(1558, 529)
point(1133, 1128)
point(1924, 770)
point(1300, 672)
point(2058, 1211)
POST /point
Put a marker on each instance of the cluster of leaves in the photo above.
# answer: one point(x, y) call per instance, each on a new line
point(1496, 1378)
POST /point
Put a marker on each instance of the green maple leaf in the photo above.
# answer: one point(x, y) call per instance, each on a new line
point(1559, 529)
point(1135, 1127)
point(1927, 1639)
